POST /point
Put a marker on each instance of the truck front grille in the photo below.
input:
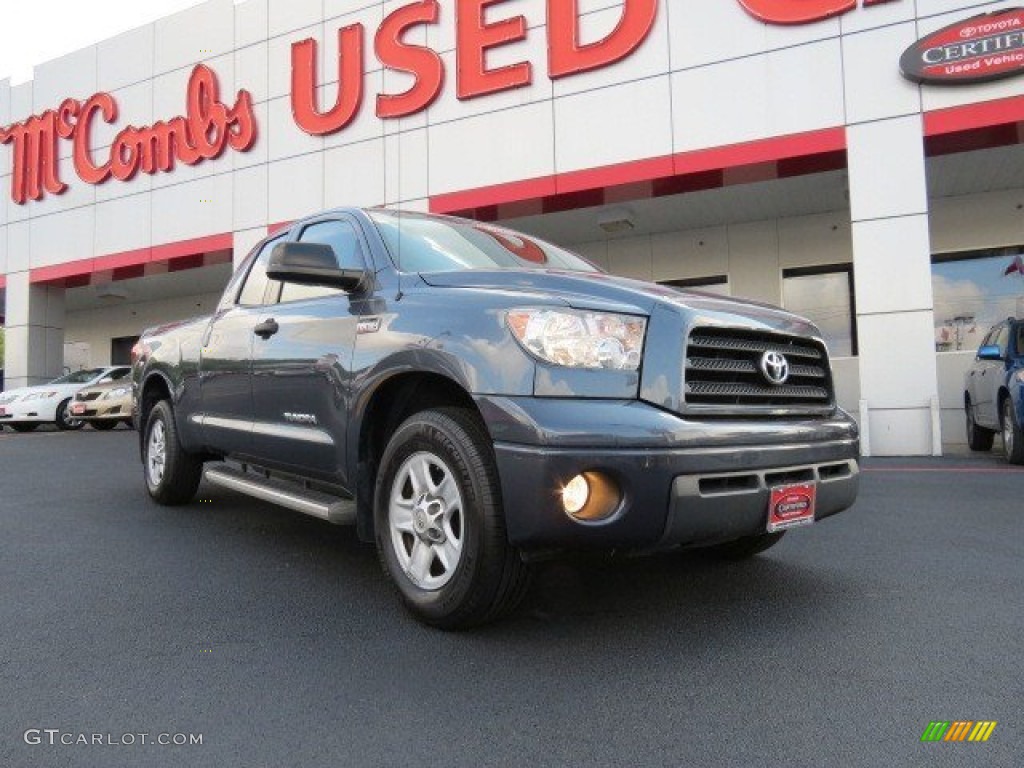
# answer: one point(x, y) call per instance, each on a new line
point(727, 373)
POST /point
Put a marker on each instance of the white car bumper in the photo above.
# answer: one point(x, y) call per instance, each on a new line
point(33, 410)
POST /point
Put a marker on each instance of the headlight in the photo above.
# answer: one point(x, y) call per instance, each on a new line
point(38, 396)
point(580, 339)
point(116, 393)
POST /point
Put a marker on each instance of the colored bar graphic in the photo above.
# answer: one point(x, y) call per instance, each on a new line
point(982, 730)
point(935, 731)
point(959, 730)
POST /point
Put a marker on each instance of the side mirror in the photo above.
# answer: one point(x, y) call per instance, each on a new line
point(990, 352)
point(311, 264)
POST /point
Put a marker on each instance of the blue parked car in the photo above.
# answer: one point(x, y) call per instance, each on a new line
point(994, 391)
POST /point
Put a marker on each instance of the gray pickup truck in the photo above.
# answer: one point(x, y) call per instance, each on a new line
point(472, 399)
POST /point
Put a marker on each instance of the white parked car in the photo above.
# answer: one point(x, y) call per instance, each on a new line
point(26, 408)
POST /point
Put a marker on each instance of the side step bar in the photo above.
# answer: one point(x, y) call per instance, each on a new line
point(326, 507)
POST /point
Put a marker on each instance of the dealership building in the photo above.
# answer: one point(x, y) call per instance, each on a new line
point(856, 161)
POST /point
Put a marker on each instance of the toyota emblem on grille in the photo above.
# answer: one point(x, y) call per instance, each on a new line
point(775, 367)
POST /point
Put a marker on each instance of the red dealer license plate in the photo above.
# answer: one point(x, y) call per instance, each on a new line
point(790, 506)
point(78, 409)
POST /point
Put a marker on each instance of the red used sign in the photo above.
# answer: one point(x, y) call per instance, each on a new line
point(210, 126)
point(479, 33)
point(802, 11)
point(976, 50)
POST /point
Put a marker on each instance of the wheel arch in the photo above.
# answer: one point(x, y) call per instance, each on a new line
point(390, 403)
point(154, 388)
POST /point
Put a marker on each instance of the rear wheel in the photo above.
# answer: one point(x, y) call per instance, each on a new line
point(65, 420)
point(741, 549)
point(172, 474)
point(24, 426)
point(1013, 435)
point(103, 426)
point(440, 526)
point(978, 438)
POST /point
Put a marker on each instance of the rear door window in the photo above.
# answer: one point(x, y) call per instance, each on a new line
point(254, 290)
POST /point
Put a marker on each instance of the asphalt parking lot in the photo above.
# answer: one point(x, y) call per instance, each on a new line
point(275, 636)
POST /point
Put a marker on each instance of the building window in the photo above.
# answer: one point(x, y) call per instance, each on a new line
point(973, 291)
point(715, 284)
point(121, 350)
point(824, 295)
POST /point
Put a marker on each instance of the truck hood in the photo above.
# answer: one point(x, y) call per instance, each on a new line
point(601, 291)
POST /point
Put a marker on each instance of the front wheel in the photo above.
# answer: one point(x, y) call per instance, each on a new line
point(741, 549)
point(172, 474)
point(65, 420)
point(440, 526)
point(1013, 435)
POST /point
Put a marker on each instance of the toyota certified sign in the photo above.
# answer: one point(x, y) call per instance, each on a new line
point(976, 50)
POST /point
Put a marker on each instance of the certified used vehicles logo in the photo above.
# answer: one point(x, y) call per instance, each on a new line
point(959, 730)
point(975, 50)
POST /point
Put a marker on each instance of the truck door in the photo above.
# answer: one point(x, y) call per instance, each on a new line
point(992, 374)
point(225, 368)
point(974, 378)
point(302, 364)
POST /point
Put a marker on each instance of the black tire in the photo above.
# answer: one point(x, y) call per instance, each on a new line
point(1013, 435)
point(177, 480)
point(978, 438)
point(103, 425)
point(64, 420)
point(489, 578)
point(24, 426)
point(741, 549)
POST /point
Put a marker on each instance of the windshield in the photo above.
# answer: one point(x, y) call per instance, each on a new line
point(79, 377)
point(421, 243)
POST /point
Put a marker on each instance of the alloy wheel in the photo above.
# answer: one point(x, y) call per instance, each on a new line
point(1008, 427)
point(425, 518)
point(156, 454)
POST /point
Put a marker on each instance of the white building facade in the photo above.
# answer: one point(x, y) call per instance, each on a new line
point(769, 149)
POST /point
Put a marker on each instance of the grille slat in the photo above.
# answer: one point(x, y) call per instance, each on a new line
point(755, 345)
point(749, 390)
point(749, 366)
point(724, 375)
point(720, 364)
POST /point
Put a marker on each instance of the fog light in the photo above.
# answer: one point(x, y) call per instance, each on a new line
point(575, 494)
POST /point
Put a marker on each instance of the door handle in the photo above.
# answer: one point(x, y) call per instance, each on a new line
point(267, 328)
